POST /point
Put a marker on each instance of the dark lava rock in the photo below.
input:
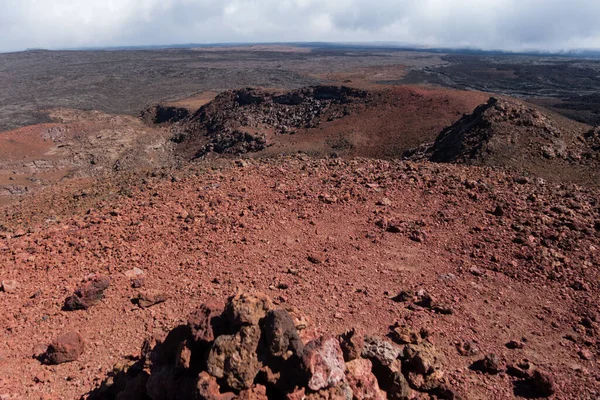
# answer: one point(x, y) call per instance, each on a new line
point(159, 114)
point(88, 295)
point(489, 365)
point(280, 334)
point(66, 348)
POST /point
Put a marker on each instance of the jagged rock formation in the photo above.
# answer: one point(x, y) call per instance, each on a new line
point(511, 134)
point(240, 121)
point(248, 349)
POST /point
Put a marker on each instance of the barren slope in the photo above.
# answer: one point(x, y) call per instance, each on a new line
point(312, 235)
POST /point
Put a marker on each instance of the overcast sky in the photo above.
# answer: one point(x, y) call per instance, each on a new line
point(487, 24)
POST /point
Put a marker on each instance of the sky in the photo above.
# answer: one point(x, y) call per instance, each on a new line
point(514, 25)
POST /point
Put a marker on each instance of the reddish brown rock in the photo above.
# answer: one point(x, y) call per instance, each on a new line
point(150, 298)
point(324, 361)
point(352, 343)
point(205, 320)
point(257, 392)
point(405, 335)
point(341, 391)
point(208, 388)
point(88, 295)
point(65, 348)
point(362, 381)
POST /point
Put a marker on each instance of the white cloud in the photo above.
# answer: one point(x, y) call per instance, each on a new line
point(490, 24)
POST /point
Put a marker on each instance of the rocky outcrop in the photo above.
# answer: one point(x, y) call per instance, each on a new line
point(159, 114)
point(249, 349)
point(511, 134)
point(240, 121)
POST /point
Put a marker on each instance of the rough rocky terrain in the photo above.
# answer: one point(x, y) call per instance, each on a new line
point(510, 134)
point(141, 258)
point(319, 120)
point(482, 261)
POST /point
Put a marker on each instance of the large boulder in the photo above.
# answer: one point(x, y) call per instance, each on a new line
point(281, 334)
point(234, 358)
point(324, 361)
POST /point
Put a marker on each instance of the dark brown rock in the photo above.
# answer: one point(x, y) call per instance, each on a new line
point(423, 359)
point(467, 348)
point(280, 334)
point(543, 383)
point(234, 358)
point(65, 348)
point(88, 295)
point(490, 364)
point(352, 343)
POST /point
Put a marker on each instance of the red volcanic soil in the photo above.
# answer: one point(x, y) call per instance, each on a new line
point(503, 258)
point(399, 119)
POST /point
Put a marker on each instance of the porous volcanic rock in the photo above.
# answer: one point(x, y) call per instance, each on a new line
point(258, 358)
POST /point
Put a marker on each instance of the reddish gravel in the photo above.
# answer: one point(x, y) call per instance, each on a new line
point(310, 234)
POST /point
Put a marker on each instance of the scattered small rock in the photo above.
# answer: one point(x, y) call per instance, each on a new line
point(150, 298)
point(498, 211)
point(515, 344)
point(315, 259)
point(384, 202)
point(467, 348)
point(88, 295)
point(10, 286)
point(585, 354)
point(490, 364)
